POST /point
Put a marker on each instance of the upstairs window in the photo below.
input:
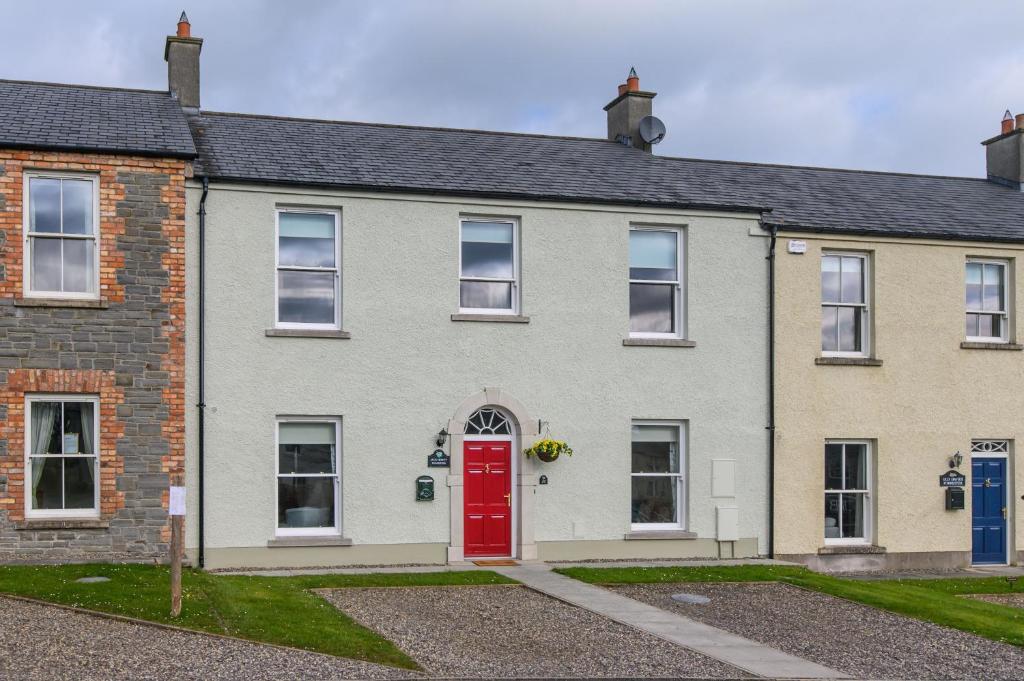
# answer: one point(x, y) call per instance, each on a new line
point(987, 317)
point(488, 267)
point(655, 299)
point(308, 273)
point(61, 221)
point(844, 304)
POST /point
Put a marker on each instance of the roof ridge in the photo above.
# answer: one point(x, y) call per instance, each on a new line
point(785, 166)
point(405, 126)
point(104, 88)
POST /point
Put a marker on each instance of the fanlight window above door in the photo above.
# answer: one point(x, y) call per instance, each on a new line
point(488, 422)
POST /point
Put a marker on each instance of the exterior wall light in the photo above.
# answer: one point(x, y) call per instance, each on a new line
point(956, 460)
point(442, 437)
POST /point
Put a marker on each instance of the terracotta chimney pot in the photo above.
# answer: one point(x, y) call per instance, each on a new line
point(1019, 121)
point(184, 28)
point(633, 81)
point(622, 89)
point(1006, 125)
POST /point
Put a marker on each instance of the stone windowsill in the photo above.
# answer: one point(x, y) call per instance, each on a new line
point(660, 342)
point(659, 534)
point(848, 361)
point(61, 302)
point(978, 345)
point(61, 524)
point(507, 318)
point(849, 549)
point(308, 333)
point(289, 542)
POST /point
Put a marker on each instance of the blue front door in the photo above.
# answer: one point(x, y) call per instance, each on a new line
point(988, 504)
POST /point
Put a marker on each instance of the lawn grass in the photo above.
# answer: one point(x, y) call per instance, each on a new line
point(279, 610)
point(932, 600)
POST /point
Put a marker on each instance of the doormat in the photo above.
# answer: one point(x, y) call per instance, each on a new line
point(494, 563)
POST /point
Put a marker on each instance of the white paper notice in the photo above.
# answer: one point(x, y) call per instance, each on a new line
point(176, 503)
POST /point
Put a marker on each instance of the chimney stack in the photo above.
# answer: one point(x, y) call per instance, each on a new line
point(1004, 153)
point(626, 110)
point(181, 52)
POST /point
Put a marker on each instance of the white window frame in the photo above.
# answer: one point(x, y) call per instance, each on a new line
point(869, 511)
point(278, 268)
point(29, 456)
point(678, 301)
point(681, 477)
point(28, 236)
point(865, 307)
point(1004, 313)
point(514, 310)
point(308, 531)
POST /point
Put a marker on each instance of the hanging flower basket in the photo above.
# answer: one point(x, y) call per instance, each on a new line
point(548, 450)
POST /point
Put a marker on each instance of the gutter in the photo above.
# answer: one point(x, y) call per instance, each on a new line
point(202, 366)
point(771, 389)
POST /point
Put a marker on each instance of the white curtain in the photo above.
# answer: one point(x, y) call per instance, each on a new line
point(44, 414)
point(89, 437)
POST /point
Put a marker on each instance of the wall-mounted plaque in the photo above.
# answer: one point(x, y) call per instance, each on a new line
point(952, 478)
point(438, 459)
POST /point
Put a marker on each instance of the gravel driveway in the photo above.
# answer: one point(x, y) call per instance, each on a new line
point(503, 631)
point(856, 639)
point(53, 644)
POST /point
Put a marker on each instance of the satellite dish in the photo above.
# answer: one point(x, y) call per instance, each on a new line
point(652, 130)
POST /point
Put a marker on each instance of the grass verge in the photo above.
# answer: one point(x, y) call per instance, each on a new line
point(278, 610)
point(932, 600)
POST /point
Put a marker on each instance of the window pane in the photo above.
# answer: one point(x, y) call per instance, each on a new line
point(306, 240)
point(305, 502)
point(654, 499)
point(79, 428)
point(45, 436)
point(77, 207)
point(829, 327)
point(655, 457)
point(79, 482)
point(833, 466)
point(491, 295)
point(832, 530)
point(856, 467)
point(853, 516)
point(44, 212)
point(306, 448)
point(852, 280)
point(989, 326)
point(652, 255)
point(972, 325)
point(849, 329)
point(78, 265)
point(973, 286)
point(45, 275)
point(993, 288)
point(652, 308)
point(487, 250)
point(46, 483)
point(306, 297)
point(830, 279)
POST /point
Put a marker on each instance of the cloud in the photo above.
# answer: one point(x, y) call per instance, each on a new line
point(909, 86)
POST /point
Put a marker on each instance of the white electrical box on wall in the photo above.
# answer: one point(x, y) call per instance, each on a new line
point(727, 526)
point(723, 478)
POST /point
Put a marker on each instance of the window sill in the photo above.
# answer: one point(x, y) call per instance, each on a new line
point(61, 524)
point(659, 534)
point(289, 542)
point(848, 361)
point(849, 549)
point(660, 342)
point(308, 333)
point(508, 318)
point(980, 345)
point(61, 302)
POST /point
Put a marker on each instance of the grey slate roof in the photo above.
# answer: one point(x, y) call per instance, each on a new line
point(474, 163)
point(83, 118)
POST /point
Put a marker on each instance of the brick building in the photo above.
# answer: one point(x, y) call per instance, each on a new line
point(91, 319)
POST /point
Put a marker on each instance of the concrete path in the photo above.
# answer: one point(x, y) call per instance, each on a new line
point(715, 643)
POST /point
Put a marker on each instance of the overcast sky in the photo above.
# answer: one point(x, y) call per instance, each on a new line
point(907, 86)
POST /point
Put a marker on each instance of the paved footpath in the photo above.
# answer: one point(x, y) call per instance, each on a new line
point(740, 652)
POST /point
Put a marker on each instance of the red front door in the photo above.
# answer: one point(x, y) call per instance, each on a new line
point(488, 498)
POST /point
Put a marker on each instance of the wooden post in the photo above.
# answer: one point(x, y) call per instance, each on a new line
point(177, 541)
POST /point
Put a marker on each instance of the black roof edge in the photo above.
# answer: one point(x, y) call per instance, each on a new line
point(551, 198)
point(152, 153)
point(847, 231)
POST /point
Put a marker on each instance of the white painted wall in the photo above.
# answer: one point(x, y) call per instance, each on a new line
point(406, 368)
